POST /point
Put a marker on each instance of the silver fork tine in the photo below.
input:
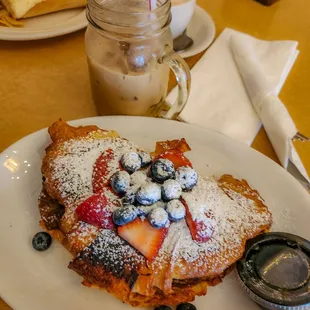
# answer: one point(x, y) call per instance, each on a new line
point(300, 137)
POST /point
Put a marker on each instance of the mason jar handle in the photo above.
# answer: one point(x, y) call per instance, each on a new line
point(183, 76)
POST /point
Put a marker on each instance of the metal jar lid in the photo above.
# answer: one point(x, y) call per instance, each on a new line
point(275, 271)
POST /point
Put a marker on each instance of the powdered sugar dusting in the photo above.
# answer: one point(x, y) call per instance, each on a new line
point(120, 181)
point(200, 202)
point(148, 194)
point(114, 200)
point(158, 217)
point(112, 252)
point(176, 209)
point(81, 236)
point(138, 178)
point(145, 210)
point(171, 189)
point(82, 230)
point(234, 217)
point(228, 215)
point(73, 168)
point(131, 161)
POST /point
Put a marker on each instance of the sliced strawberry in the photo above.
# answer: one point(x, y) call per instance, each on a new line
point(96, 210)
point(143, 237)
point(108, 192)
point(177, 157)
point(201, 229)
point(102, 170)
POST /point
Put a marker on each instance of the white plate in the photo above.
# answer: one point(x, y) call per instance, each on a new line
point(202, 30)
point(47, 26)
point(30, 280)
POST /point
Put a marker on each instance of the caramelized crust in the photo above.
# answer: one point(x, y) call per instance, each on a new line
point(61, 131)
point(176, 145)
point(50, 210)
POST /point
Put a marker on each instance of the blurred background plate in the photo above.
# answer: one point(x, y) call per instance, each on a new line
point(46, 26)
point(202, 30)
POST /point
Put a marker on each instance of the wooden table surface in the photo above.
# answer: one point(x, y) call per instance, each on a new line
point(43, 80)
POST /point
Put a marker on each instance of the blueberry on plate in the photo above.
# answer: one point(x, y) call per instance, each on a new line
point(120, 182)
point(162, 308)
point(131, 161)
point(41, 241)
point(175, 210)
point(145, 158)
point(171, 189)
point(162, 169)
point(187, 177)
point(158, 218)
point(186, 306)
point(148, 194)
point(124, 215)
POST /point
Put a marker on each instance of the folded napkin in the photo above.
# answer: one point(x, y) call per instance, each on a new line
point(235, 86)
point(218, 98)
point(278, 124)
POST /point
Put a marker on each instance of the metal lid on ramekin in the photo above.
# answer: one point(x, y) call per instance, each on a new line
point(275, 271)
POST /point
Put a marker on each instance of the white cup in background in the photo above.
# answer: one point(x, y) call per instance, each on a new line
point(182, 12)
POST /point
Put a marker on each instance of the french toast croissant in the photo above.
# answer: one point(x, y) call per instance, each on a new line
point(139, 264)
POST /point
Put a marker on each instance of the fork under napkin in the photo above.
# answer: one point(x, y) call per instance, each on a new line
point(219, 99)
point(277, 121)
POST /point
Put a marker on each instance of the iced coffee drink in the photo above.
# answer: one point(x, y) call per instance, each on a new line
point(129, 52)
point(129, 93)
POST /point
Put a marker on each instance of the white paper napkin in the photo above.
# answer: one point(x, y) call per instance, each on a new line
point(278, 123)
point(218, 98)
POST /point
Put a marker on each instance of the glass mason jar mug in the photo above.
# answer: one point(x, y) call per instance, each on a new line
point(129, 51)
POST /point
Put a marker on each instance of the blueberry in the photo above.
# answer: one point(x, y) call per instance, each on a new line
point(131, 161)
point(124, 215)
point(145, 158)
point(175, 210)
point(187, 177)
point(148, 194)
point(162, 170)
point(171, 189)
point(41, 241)
point(158, 218)
point(120, 182)
point(163, 308)
point(186, 306)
